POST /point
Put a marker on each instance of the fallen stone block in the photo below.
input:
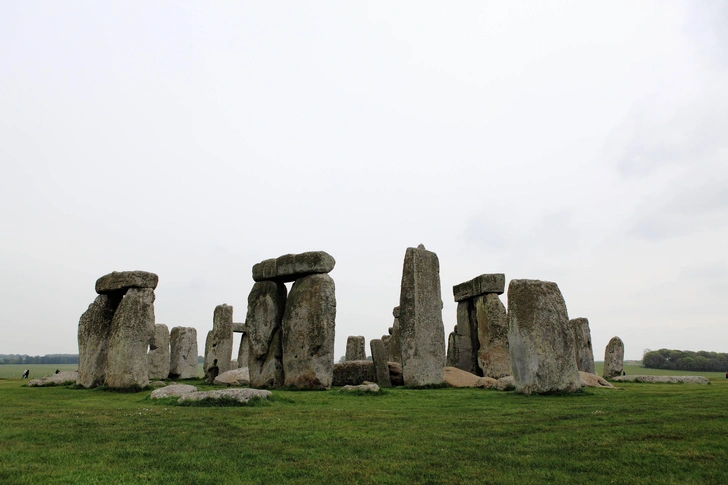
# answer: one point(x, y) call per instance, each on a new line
point(174, 390)
point(240, 395)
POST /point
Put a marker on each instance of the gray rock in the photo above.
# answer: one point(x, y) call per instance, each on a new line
point(466, 339)
point(661, 379)
point(94, 329)
point(266, 305)
point(592, 380)
point(132, 330)
point(453, 351)
point(365, 387)
point(60, 379)
point(290, 267)
point(123, 280)
point(174, 390)
point(395, 343)
point(395, 312)
point(239, 327)
point(541, 343)
point(386, 341)
point(493, 356)
point(219, 343)
point(183, 353)
point(309, 324)
point(244, 351)
point(379, 358)
point(421, 328)
point(485, 283)
point(506, 383)
point(158, 356)
point(240, 395)
point(353, 372)
point(233, 377)
point(455, 377)
point(613, 358)
point(157, 384)
point(395, 373)
point(355, 349)
point(582, 340)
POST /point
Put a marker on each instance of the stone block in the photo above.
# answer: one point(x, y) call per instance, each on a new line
point(485, 283)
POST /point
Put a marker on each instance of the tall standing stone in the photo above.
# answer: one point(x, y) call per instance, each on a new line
point(613, 358)
point(183, 353)
point(132, 330)
point(158, 356)
point(395, 344)
point(355, 348)
point(244, 350)
point(453, 352)
point(308, 333)
point(219, 343)
point(421, 327)
point(466, 338)
point(381, 367)
point(541, 343)
point(266, 305)
point(492, 326)
point(582, 339)
point(94, 328)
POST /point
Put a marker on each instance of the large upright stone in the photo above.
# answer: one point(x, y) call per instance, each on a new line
point(453, 352)
point(183, 353)
point(94, 328)
point(219, 343)
point(132, 330)
point(355, 348)
point(485, 283)
point(541, 343)
point(244, 350)
point(379, 357)
point(421, 327)
point(492, 323)
point(613, 358)
point(583, 343)
point(466, 339)
point(290, 267)
point(158, 356)
point(395, 343)
point(266, 304)
point(123, 280)
point(308, 333)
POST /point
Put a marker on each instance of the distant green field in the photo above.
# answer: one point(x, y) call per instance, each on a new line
point(634, 368)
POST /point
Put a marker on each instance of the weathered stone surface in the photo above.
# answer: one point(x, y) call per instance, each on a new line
point(240, 395)
point(494, 359)
point(395, 312)
point(158, 356)
point(386, 340)
point(94, 329)
point(60, 379)
point(589, 379)
point(243, 352)
point(219, 343)
point(355, 349)
point(541, 343)
point(353, 372)
point(364, 387)
point(453, 351)
point(485, 283)
point(583, 343)
point(266, 305)
point(395, 373)
point(233, 377)
point(395, 343)
point(421, 329)
point(174, 390)
point(455, 377)
point(239, 327)
point(132, 330)
point(507, 383)
point(157, 384)
point(183, 353)
point(613, 358)
point(290, 267)
point(379, 357)
point(309, 324)
point(466, 338)
point(661, 379)
point(120, 281)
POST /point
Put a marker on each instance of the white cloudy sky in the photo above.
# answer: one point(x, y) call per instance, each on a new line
point(578, 142)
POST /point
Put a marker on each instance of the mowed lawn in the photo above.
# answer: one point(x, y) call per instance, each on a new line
point(638, 434)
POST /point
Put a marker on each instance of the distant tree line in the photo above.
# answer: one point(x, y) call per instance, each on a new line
point(686, 360)
point(39, 359)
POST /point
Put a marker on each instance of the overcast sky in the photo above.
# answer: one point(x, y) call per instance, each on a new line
point(577, 142)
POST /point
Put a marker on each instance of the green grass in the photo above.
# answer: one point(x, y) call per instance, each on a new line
point(640, 434)
point(634, 368)
point(9, 371)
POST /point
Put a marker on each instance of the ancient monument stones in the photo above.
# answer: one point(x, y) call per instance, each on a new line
point(541, 343)
point(115, 332)
point(183, 353)
point(395, 342)
point(582, 341)
point(158, 356)
point(355, 348)
point(613, 358)
point(219, 343)
point(266, 304)
point(421, 329)
point(379, 357)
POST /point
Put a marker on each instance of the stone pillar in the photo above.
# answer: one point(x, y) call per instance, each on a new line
point(466, 336)
point(395, 344)
point(158, 356)
point(381, 367)
point(266, 305)
point(244, 350)
point(219, 343)
point(355, 348)
point(94, 328)
point(183, 353)
point(613, 358)
point(492, 325)
point(582, 340)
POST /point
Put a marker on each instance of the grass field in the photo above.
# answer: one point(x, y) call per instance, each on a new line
point(639, 434)
point(9, 371)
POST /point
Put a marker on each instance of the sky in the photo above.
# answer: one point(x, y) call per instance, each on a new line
point(577, 142)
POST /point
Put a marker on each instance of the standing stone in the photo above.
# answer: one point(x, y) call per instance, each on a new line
point(466, 337)
point(219, 343)
point(395, 344)
point(582, 340)
point(613, 358)
point(94, 328)
point(355, 348)
point(381, 367)
point(158, 356)
point(308, 333)
point(386, 340)
point(493, 355)
point(244, 350)
point(266, 305)
point(132, 330)
point(421, 327)
point(453, 352)
point(183, 353)
point(541, 343)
